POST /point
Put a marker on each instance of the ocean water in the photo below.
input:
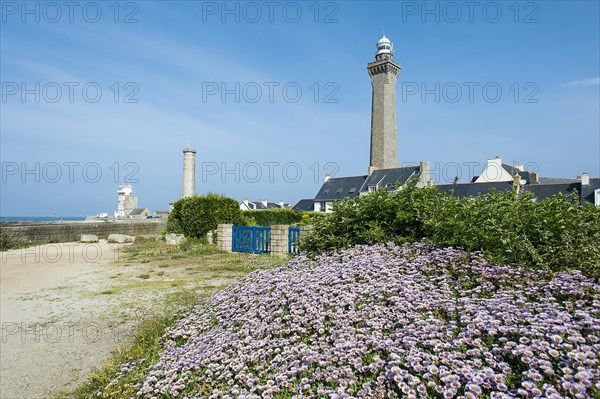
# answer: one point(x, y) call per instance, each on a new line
point(39, 219)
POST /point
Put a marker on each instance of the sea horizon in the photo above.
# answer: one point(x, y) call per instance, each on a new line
point(38, 219)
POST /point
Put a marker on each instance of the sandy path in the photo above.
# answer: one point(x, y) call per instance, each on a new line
point(53, 331)
point(64, 307)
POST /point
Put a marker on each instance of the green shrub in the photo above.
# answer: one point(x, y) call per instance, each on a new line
point(4, 241)
point(270, 217)
point(311, 217)
point(195, 216)
point(559, 233)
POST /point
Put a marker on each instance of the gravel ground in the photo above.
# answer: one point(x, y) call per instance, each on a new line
point(52, 332)
point(64, 307)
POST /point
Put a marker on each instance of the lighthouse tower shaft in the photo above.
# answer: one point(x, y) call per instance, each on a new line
point(384, 132)
point(189, 172)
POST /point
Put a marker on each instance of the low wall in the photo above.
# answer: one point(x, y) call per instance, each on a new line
point(42, 233)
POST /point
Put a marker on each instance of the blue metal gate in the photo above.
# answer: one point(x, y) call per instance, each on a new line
point(252, 239)
point(293, 235)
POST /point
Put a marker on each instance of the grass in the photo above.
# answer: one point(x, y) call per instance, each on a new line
point(5, 245)
point(211, 270)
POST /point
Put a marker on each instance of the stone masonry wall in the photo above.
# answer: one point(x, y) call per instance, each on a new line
point(63, 232)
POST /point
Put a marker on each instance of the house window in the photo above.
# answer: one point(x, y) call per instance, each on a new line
point(372, 189)
point(352, 190)
point(323, 207)
point(338, 191)
point(326, 191)
point(597, 197)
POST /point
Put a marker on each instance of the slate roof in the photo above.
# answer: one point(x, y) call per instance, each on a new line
point(587, 192)
point(510, 169)
point(337, 188)
point(544, 191)
point(389, 178)
point(137, 211)
point(540, 191)
point(525, 175)
point(306, 205)
point(555, 180)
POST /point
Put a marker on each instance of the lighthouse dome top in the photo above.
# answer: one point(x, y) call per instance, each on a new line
point(384, 46)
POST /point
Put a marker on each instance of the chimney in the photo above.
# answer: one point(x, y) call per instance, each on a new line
point(263, 201)
point(533, 178)
point(245, 202)
point(281, 204)
point(585, 179)
point(494, 169)
point(425, 179)
point(326, 178)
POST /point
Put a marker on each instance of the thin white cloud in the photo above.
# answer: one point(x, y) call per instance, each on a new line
point(583, 83)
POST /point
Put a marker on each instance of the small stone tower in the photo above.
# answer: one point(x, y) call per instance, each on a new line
point(189, 172)
point(384, 132)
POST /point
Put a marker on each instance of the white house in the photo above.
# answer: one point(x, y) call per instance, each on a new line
point(262, 204)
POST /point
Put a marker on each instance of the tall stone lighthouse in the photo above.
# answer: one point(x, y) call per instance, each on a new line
point(189, 172)
point(384, 132)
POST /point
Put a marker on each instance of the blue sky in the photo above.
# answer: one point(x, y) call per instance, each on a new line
point(273, 95)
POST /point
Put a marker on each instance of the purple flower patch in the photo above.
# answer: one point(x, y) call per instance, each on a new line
point(387, 321)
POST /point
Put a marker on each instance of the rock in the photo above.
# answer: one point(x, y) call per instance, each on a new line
point(174, 239)
point(120, 238)
point(89, 238)
point(210, 235)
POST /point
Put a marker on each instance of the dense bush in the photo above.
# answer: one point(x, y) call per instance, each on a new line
point(270, 217)
point(558, 233)
point(196, 216)
point(4, 241)
point(311, 217)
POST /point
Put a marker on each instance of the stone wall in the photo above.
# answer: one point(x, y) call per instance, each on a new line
point(224, 234)
point(40, 233)
point(279, 239)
